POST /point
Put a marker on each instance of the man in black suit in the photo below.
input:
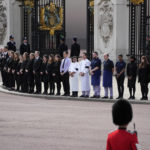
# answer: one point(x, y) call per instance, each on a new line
point(63, 47)
point(75, 48)
point(25, 47)
point(11, 44)
point(36, 71)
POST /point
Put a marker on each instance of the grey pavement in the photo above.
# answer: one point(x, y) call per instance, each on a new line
point(28, 123)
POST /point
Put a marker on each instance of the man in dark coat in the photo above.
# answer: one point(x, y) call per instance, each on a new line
point(36, 71)
point(11, 44)
point(75, 48)
point(25, 47)
point(63, 47)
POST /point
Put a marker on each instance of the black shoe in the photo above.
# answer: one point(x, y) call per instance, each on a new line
point(118, 97)
point(105, 97)
point(37, 92)
point(45, 93)
point(82, 96)
point(72, 96)
point(130, 98)
point(67, 94)
point(133, 97)
point(98, 97)
point(86, 96)
point(142, 98)
point(145, 98)
point(111, 97)
point(58, 94)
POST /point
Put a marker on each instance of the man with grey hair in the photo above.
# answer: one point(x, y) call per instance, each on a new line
point(108, 70)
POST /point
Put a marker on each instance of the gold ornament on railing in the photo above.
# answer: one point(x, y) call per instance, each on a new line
point(29, 4)
point(51, 18)
point(91, 6)
point(137, 2)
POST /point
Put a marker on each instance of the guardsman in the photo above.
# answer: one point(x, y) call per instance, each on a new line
point(74, 77)
point(121, 139)
point(108, 76)
point(84, 76)
point(75, 48)
point(11, 44)
point(62, 47)
point(120, 75)
point(25, 46)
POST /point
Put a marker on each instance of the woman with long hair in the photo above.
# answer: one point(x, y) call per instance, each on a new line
point(43, 73)
point(143, 74)
point(19, 76)
point(15, 64)
point(24, 84)
point(56, 73)
point(50, 67)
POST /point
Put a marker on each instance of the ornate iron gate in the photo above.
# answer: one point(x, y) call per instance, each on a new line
point(90, 27)
point(139, 27)
point(44, 24)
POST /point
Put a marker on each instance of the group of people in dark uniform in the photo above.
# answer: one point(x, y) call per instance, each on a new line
point(25, 71)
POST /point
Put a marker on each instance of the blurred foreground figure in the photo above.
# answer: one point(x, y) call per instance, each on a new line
point(121, 139)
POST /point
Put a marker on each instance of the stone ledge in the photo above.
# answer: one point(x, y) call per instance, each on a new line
point(48, 97)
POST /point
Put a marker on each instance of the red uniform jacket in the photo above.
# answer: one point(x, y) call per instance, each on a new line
point(122, 140)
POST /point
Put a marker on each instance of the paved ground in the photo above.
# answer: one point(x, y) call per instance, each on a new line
point(38, 124)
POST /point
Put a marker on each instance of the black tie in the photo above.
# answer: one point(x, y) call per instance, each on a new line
point(63, 66)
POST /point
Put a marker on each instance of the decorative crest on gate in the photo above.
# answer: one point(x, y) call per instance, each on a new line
point(137, 2)
point(51, 18)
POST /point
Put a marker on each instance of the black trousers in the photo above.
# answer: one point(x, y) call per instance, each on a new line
point(24, 83)
point(66, 84)
point(19, 79)
point(144, 89)
point(120, 84)
point(31, 82)
point(11, 80)
point(37, 78)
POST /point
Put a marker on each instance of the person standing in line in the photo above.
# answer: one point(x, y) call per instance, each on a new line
point(64, 72)
point(144, 74)
point(15, 64)
point(19, 78)
point(9, 68)
point(11, 44)
point(62, 47)
point(121, 139)
point(29, 71)
point(56, 73)
point(84, 76)
point(49, 70)
point(96, 74)
point(120, 75)
point(4, 57)
point(132, 73)
point(74, 77)
point(24, 84)
point(75, 48)
point(36, 71)
point(44, 75)
point(25, 47)
point(108, 76)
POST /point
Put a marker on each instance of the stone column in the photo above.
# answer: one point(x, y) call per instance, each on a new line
point(111, 24)
point(13, 21)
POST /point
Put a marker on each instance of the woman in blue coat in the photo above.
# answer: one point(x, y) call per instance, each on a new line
point(107, 76)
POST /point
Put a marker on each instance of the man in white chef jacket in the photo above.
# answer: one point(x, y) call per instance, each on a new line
point(74, 77)
point(84, 76)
